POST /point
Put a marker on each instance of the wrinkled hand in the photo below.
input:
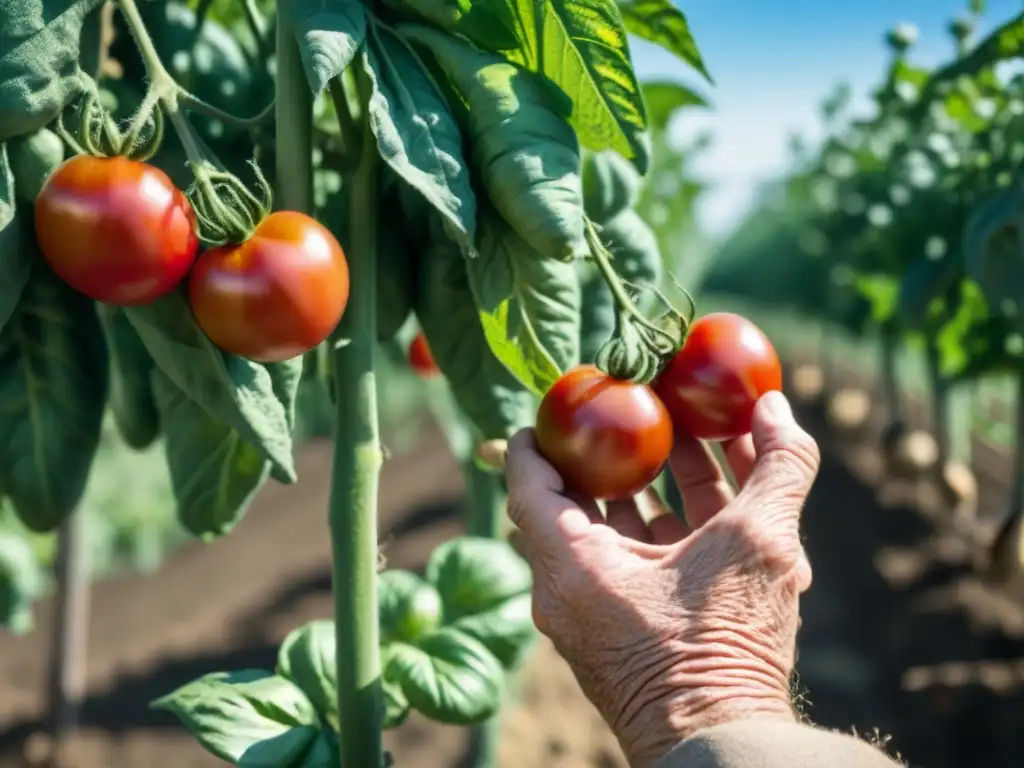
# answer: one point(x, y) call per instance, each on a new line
point(671, 627)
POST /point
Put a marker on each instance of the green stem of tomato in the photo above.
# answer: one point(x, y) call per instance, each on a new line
point(940, 402)
point(890, 380)
point(161, 84)
point(357, 463)
point(614, 282)
point(294, 120)
point(485, 514)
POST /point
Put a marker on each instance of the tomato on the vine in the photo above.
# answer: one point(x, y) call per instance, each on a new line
point(420, 357)
point(711, 385)
point(116, 230)
point(275, 296)
point(607, 438)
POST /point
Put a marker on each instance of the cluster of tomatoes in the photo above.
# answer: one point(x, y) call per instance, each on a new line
point(609, 439)
point(120, 232)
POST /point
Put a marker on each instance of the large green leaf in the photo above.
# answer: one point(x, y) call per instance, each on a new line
point(409, 607)
point(251, 719)
point(449, 677)
point(417, 135)
point(328, 35)
point(507, 630)
point(662, 23)
point(610, 185)
point(39, 69)
point(474, 575)
point(17, 247)
point(131, 386)
point(214, 472)
point(235, 392)
point(993, 247)
point(597, 315)
point(529, 305)
point(634, 247)
point(308, 657)
point(581, 46)
point(53, 391)
point(495, 401)
point(524, 152)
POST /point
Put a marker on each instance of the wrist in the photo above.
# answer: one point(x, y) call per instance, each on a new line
point(695, 696)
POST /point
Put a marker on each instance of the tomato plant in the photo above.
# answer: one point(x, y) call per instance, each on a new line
point(420, 357)
point(607, 438)
point(117, 230)
point(275, 296)
point(713, 382)
point(413, 138)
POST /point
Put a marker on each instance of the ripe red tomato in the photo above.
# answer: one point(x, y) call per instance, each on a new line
point(607, 438)
point(712, 384)
point(420, 358)
point(275, 296)
point(115, 229)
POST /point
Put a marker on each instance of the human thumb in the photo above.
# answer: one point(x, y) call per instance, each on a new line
point(786, 461)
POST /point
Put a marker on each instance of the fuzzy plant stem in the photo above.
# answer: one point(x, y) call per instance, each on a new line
point(356, 473)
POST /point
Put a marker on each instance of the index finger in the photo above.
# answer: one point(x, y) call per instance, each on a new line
point(537, 503)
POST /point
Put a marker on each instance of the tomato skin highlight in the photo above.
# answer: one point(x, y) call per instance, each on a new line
point(420, 357)
point(607, 438)
point(712, 384)
point(275, 296)
point(115, 229)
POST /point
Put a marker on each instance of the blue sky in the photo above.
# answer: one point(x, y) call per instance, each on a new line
point(774, 60)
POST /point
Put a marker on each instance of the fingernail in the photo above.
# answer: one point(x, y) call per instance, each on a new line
point(777, 407)
point(492, 453)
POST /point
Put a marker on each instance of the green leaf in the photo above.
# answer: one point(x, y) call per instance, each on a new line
point(131, 387)
point(581, 46)
point(524, 152)
point(507, 631)
point(409, 607)
point(396, 705)
point(417, 135)
point(308, 657)
point(474, 575)
point(396, 269)
point(597, 316)
point(495, 402)
point(251, 718)
point(235, 392)
point(634, 247)
point(39, 70)
point(881, 291)
point(529, 305)
point(328, 34)
point(993, 246)
point(449, 677)
point(21, 582)
point(33, 158)
point(16, 243)
point(285, 378)
point(53, 389)
point(214, 472)
point(665, 98)
point(610, 185)
point(662, 23)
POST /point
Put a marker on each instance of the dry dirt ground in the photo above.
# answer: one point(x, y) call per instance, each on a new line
point(933, 658)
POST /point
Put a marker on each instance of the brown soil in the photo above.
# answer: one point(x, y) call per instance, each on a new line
point(898, 633)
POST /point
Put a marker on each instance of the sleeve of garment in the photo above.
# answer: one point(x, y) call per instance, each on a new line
point(771, 744)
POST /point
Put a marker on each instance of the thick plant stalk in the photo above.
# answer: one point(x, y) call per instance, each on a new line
point(293, 115)
point(485, 501)
point(67, 683)
point(485, 514)
point(356, 470)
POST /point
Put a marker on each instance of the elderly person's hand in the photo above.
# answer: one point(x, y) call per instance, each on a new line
point(672, 627)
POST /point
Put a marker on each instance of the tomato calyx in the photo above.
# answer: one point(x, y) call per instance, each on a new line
point(639, 347)
point(227, 212)
point(99, 135)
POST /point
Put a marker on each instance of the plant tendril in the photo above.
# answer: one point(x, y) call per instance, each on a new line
point(226, 210)
point(639, 347)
